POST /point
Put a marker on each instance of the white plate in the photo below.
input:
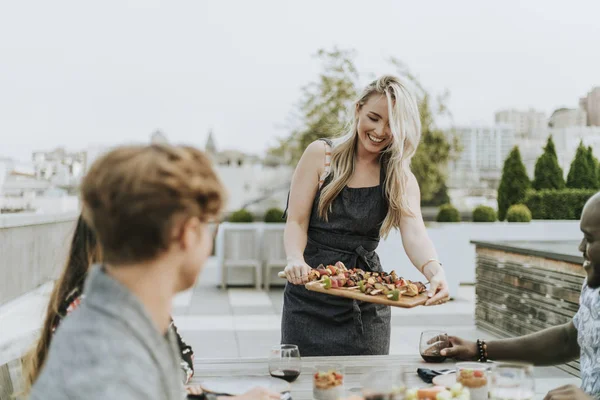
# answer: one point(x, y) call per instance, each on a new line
point(238, 385)
point(447, 380)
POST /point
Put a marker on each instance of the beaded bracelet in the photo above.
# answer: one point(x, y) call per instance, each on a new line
point(482, 350)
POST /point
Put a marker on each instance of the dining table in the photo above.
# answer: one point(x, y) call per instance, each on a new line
point(355, 368)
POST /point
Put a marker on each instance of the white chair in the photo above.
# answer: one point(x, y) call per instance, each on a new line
point(273, 251)
point(240, 249)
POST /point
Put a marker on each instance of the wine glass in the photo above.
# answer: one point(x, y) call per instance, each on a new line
point(285, 362)
point(512, 381)
point(430, 345)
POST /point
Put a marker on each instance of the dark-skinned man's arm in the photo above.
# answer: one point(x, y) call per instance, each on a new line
point(552, 346)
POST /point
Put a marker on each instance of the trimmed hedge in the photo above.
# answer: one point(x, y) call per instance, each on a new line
point(518, 213)
point(484, 214)
point(514, 183)
point(241, 216)
point(274, 215)
point(557, 204)
point(448, 213)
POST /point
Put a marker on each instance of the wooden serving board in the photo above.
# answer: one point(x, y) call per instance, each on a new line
point(403, 301)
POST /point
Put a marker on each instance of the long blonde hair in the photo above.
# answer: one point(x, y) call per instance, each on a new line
point(405, 125)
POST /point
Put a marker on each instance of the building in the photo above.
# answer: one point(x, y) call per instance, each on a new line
point(566, 141)
point(211, 147)
point(59, 166)
point(4, 165)
point(158, 138)
point(484, 149)
point(22, 191)
point(527, 124)
point(568, 117)
point(531, 149)
point(251, 181)
point(591, 104)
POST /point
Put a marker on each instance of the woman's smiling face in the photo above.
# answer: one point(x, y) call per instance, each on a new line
point(374, 133)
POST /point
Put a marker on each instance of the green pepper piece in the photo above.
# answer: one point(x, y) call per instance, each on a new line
point(394, 295)
point(362, 287)
point(326, 282)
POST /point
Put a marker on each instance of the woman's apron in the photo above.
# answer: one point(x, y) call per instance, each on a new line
point(324, 325)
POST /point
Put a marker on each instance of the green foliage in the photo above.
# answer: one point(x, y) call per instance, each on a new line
point(534, 200)
point(448, 213)
point(484, 214)
point(242, 215)
point(583, 173)
point(514, 183)
point(439, 198)
point(548, 173)
point(431, 157)
point(274, 215)
point(518, 213)
point(321, 112)
point(593, 167)
point(435, 149)
point(558, 204)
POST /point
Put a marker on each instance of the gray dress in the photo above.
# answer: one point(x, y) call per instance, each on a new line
point(324, 325)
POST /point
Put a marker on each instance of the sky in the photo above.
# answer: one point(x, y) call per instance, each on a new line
point(89, 74)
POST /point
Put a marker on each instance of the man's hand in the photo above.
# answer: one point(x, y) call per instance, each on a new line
point(567, 392)
point(460, 349)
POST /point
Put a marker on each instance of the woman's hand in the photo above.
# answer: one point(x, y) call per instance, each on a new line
point(438, 287)
point(296, 272)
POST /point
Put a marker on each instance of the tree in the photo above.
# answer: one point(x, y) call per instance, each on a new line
point(593, 166)
point(583, 172)
point(435, 149)
point(548, 173)
point(513, 184)
point(321, 113)
point(439, 198)
point(322, 109)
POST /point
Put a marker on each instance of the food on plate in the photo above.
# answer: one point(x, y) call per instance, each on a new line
point(458, 392)
point(372, 283)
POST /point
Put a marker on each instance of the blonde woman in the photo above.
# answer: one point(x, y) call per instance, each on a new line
point(345, 195)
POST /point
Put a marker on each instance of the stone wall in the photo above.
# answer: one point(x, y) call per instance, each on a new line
point(519, 294)
point(33, 249)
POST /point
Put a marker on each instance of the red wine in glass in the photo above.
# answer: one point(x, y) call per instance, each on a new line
point(289, 375)
point(431, 344)
point(285, 362)
point(433, 358)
